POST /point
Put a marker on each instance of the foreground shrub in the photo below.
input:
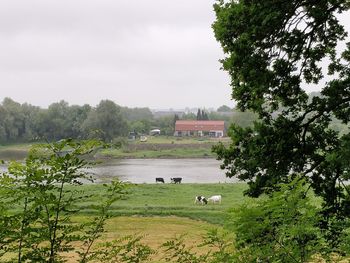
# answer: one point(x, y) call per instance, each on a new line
point(38, 200)
point(281, 228)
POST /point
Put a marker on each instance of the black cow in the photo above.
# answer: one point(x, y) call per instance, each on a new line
point(159, 180)
point(200, 200)
point(176, 180)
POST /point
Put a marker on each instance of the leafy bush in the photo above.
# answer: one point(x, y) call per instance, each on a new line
point(37, 206)
point(281, 228)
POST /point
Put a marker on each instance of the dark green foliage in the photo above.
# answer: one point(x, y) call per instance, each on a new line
point(199, 115)
point(273, 49)
point(202, 115)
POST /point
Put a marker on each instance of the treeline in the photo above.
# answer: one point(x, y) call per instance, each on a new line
point(25, 122)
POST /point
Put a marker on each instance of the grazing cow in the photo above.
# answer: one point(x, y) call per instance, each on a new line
point(215, 199)
point(159, 180)
point(176, 180)
point(200, 200)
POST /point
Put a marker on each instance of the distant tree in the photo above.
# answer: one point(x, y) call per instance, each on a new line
point(141, 126)
point(61, 121)
point(12, 119)
point(30, 114)
point(57, 121)
point(176, 118)
point(77, 116)
point(205, 116)
point(165, 124)
point(3, 133)
point(224, 108)
point(202, 115)
point(105, 121)
point(189, 116)
point(199, 115)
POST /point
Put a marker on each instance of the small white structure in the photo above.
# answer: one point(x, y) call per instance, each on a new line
point(143, 138)
point(154, 132)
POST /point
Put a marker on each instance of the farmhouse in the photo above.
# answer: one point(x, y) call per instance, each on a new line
point(199, 128)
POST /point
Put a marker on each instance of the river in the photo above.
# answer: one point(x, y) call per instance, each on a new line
point(146, 170)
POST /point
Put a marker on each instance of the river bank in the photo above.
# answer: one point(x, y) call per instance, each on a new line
point(164, 147)
point(154, 148)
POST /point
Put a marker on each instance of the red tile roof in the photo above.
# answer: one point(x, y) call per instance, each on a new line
point(199, 125)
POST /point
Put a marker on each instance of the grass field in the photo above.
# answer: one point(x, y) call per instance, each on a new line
point(161, 212)
point(171, 200)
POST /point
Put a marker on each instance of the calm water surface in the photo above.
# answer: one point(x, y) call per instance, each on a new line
point(146, 170)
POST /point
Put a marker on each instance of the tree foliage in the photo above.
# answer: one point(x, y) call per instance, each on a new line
point(38, 203)
point(202, 115)
point(272, 50)
point(224, 108)
point(105, 121)
point(281, 228)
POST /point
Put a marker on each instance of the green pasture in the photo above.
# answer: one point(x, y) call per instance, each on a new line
point(170, 200)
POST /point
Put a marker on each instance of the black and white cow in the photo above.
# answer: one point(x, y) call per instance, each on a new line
point(200, 200)
point(159, 180)
point(176, 180)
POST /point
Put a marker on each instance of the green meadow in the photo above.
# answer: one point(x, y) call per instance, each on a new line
point(170, 200)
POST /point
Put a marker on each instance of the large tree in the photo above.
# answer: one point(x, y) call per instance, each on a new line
point(105, 121)
point(274, 49)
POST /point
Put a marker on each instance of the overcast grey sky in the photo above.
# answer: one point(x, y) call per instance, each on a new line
point(154, 53)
